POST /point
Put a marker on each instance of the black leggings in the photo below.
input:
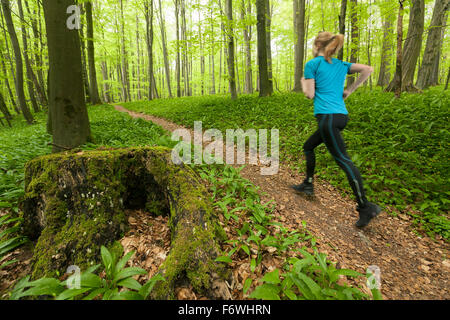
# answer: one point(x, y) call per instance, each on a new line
point(330, 127)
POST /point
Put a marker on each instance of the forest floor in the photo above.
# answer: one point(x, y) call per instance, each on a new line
point(412, 266)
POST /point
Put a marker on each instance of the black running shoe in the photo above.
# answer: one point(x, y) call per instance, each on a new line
point(304, 188)
point(367, 213)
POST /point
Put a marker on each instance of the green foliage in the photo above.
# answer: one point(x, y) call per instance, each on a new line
point(23, 143)
point(9, 240)
point(18, 145)
point(310, 278)
point(400, 145)
point(117, 284)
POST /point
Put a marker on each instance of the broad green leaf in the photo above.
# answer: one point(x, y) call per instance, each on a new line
point(225, 259)
point(71, 293)
point(266, 291)
point(122, 262)
point(128, 272)
point(107, 259)
point(130, 283)
point(148, 287)
point(272, 277)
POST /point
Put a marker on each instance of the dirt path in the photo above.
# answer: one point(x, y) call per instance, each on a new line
point(412, 267)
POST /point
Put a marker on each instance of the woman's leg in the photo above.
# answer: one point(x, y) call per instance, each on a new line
point(308, 148)
point(330, 127)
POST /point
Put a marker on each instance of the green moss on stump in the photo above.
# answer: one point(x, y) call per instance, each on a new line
point(74, 203)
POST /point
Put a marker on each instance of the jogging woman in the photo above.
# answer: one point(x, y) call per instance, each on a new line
point(324, 82)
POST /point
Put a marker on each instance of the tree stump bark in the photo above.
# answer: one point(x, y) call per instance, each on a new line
point(74, 203)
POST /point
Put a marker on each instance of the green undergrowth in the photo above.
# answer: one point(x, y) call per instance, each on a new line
point(400, 145)
point(111, 280)
point(23, 142)
point(305, 276)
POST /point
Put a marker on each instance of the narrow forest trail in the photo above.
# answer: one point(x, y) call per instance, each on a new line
point(412, 267)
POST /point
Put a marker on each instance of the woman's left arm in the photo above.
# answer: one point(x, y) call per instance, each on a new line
point(309, 87)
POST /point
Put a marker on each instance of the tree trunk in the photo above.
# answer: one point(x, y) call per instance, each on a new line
point(185, 63)
point(264, 85)
point(95, 97)
point(4, 110)
point(11, 95)
point(354, 38)
point(397, 82)
point(125, 75)
point(69, 118)
point(178, 62)
point(342, 17)
point(437, 59)
point(19, 63)
point(30, 74)
point(247, 33)
point(11, 65)
point(385, 75)
point(40, 85)
point(448, 78)
point(106, 87)
point(138, 62)
point(269, 44)
point(149, 40)
point(299, 31)
point(413, 44)
point(164, 45)
point(87, 88)
point(433, 45)
point(231, 52)
point(212, 56)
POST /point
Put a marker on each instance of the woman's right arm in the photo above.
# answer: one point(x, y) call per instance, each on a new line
point(365, 72)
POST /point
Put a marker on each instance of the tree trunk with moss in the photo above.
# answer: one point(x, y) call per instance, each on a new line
point(75, 202)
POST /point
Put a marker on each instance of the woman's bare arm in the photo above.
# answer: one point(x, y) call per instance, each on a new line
point(309, 87)
point(365, 72)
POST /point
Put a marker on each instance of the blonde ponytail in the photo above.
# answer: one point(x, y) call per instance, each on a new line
point(328, 43)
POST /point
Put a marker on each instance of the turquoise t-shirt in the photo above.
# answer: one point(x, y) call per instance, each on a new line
point(330, 81)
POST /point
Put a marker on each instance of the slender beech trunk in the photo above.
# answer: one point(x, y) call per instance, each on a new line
point(178, 61)
point(125, 75)
point(231, 51)
point(397, 88)
point(95, 97)
point(299, 31)
point(342, 17)
point(269, 43)
point(4, 110)
point(212, 56)
point(8, 86)
point(448, 78)
point(87, 88)
point(247, 32)
point(164, 47)
point(138, 60)
point(29, 71)
point(148, 4)
point(264, 85)
point(19, 63)
point(386, 53)
point(355, 37)
point(40, 84)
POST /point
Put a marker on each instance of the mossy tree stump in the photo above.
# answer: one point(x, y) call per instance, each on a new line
point(75, 202)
